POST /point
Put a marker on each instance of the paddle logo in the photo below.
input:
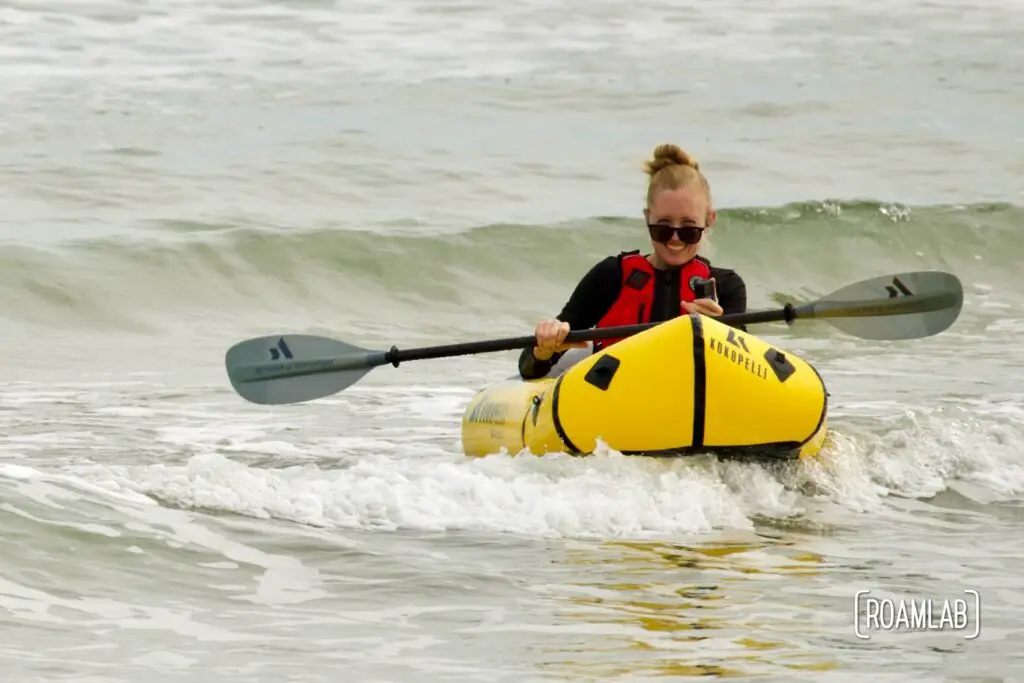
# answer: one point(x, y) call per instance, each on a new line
point(281, 350)
point(897, 288)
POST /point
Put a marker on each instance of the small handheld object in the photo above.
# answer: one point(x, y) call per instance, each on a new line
point(704, 289)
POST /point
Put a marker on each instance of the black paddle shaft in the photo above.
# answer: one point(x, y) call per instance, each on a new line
point(394, 355)
point(935, 301)
point(904, 306)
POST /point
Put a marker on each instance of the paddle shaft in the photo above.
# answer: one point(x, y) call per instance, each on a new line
point(903, 306)
point(367, 359)
point(819, 309)
point(396, 355)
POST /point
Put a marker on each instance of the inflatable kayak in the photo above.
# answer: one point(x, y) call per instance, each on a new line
point(690, 385)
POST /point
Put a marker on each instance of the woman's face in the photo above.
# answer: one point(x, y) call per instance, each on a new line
point(685, 207)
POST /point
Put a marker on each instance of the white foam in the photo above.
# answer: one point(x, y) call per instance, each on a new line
point(407, 474)
point(920, 453)
point(398, 467)
point(606, 495)
point(20, 472)
point(48, 487)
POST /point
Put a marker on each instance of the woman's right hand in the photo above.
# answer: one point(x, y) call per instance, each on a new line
point(550, 337)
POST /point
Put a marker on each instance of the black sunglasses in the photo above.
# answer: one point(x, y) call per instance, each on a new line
point(688, 234)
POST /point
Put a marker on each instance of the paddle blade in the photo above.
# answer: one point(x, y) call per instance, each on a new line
point(293, 368)
point(894, 307)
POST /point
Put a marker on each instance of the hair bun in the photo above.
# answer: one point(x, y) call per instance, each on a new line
point(666, 155)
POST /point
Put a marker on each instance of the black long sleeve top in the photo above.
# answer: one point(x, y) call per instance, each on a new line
point(599, 289)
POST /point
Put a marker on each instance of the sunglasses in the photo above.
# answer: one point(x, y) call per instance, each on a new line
point(688, 234)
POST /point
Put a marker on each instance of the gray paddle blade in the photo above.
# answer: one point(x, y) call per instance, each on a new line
point(293, 368)
point(894, 307)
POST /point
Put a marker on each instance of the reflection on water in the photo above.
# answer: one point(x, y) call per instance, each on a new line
point(656, 609)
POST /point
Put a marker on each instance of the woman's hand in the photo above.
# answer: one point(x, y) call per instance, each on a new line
point(704, 306)
point(550, 337)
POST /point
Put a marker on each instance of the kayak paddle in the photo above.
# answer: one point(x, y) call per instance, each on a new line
point(292, 368)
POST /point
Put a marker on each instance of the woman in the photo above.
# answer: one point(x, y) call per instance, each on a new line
point(631, 288)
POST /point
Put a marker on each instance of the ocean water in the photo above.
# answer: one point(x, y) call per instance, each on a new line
point(176, 177)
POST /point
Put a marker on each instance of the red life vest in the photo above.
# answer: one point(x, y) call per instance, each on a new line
point(636, 297)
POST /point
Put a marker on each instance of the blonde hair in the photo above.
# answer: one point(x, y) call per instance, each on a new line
point(672, 168)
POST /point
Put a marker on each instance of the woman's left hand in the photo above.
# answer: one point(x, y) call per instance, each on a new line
point(703, 306)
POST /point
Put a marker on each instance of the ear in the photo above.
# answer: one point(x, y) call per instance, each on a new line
point(712, 215)
point(647, 215)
